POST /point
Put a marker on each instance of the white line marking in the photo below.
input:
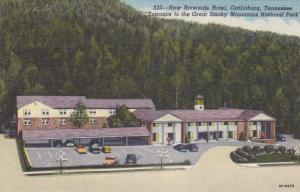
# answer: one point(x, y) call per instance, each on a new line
point(50, 154)
point(38, 154)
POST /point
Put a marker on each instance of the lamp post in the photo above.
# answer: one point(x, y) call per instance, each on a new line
point(162, 154)
point(61, 157)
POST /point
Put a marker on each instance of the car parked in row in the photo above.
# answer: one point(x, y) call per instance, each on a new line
point(106, 149)
point(95, 148)
point(186, 147)
point(69, 143)
point(81, 149)
point(130, 159)
point(280, 137)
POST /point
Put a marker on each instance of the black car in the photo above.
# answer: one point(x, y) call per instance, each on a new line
point(130, 159)
point(192, 147)
point(95, 148)
point(58, 143)
point(280, 137)
point(181, 148)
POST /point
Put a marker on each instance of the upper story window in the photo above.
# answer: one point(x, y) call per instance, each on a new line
point(209, 123)
point(93, 120)
point(45, 112)
point(45, 121)
point(170, 124)
point(92, 111)
point(112, 111)
point(189, 124)
point(27, 121)
point(225, 123)
point(63, 121)
point(254, 123)
point(154, 124)
point(199, 123)
point(27, 112)
point(235, 123)
point(62, 111)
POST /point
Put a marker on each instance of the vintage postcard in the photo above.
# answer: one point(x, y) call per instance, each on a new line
point(161, 95)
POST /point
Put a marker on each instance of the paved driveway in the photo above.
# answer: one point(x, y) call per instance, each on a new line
point(213, 172)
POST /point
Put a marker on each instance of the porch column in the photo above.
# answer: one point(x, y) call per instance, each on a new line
point(217, 131)
point(207, 137)
point(103, 141)
point(256, 128)
point(227, 131)
point(126, 140)
point(163, 133)
point(197, 131)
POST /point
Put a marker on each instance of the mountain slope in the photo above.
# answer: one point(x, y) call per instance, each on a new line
point(108, 49)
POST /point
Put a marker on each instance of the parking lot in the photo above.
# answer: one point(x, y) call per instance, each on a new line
point(147, 154)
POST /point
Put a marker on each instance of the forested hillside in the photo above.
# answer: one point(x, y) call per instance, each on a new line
point(106, 49)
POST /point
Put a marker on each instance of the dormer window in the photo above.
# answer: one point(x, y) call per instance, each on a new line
point(112, 112)
point(199, 124)
point(27, 112)
point(45, 121)
point(45, 112)
point(62, 111)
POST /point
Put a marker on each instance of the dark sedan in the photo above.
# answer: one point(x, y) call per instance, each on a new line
point(181, 148)
point(130, 159)
point(192, 147)
point(280, 137)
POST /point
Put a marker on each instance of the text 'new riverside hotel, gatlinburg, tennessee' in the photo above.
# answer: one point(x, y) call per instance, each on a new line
point(42, 120)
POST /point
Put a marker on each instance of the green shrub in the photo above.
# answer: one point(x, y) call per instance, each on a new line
point(269, 149)
point(257, 149)
point(282, 149)
point(237, 159)
point(247, 149)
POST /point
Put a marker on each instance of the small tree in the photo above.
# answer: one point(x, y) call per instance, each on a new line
point(79, 117)
point(122, 118)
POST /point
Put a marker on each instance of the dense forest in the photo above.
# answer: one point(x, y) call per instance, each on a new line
point(107, 49)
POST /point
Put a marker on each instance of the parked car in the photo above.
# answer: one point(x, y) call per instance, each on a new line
point(58, 143)
point(69, 143)
point(81, 149)
point(130, 159)
point(93, 141)
point(95, 148)
point(180, 147)
point(280, 137)
point(192, 147)
point(112, 160)
point(106, 149)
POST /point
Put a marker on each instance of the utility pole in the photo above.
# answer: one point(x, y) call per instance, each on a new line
point(162, 154)
point(60, 158)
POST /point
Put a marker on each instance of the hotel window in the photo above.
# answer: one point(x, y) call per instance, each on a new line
point(209, 123)
point(154, 124)
point(63, 121)
point(92, 111)
point(93, 120)
point(171, 136)
point(254, 123)
point(189, 124)
point(62, 111)
point(235, 123)
point(154, 135)
point(27, 122)
point(199, 123)
point(112, 111)
point(45, 111)
point(225, 123)
point(27, 112)
point(170, 124)
point(45, 121)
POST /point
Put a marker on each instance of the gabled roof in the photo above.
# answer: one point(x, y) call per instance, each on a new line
point(51, 101)
point(71, 101)
point(198, 116)
point(40, 134)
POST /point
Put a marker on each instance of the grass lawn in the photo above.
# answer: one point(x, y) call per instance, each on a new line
point(275, 158)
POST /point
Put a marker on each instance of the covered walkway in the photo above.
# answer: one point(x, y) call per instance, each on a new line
point(103, 136)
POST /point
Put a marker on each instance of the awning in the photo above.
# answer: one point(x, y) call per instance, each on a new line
point(41, 134)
